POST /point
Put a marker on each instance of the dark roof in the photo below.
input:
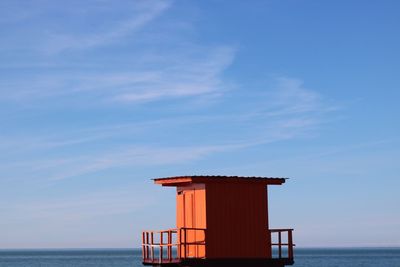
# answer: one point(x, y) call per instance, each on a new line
point(179, 180)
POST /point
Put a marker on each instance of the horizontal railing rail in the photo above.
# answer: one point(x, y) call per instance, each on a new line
point(289, 244)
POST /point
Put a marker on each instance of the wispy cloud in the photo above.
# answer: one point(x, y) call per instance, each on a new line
point(289, 96)
point(191, 76)
point(146, 12)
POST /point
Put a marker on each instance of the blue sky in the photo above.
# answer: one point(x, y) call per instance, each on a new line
point(98, 97)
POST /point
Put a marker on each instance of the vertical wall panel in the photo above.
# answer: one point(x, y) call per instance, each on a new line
point(191, 213)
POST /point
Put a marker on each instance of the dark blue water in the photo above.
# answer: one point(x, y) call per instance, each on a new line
point(132, 258)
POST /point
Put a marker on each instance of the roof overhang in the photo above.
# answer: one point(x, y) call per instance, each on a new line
point(186, 180)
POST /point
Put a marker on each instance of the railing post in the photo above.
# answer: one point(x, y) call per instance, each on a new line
point(180, 243)
point(280, 243)
point(185, 241)
point(290, 244)
point(143, 246)
point(205, 242)
point(152, 248)
point(169, 247)
point(147, 246)
point(161, 246)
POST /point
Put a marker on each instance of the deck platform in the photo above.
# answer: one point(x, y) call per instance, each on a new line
point(223, 262)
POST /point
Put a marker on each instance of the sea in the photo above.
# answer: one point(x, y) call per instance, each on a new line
point(304, 257)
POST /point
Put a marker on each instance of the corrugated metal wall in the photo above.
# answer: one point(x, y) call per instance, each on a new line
point(237, 221)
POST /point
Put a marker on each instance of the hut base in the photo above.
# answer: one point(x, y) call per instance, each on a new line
point(227, 263)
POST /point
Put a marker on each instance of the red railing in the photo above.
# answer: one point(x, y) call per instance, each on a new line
point(192, 240)
point(170, 246)
point(279, 243)
point(174, 245)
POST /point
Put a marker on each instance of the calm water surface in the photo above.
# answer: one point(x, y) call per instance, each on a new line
point(132, 258)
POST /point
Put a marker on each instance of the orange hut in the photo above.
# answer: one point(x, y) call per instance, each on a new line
point(219, 220)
